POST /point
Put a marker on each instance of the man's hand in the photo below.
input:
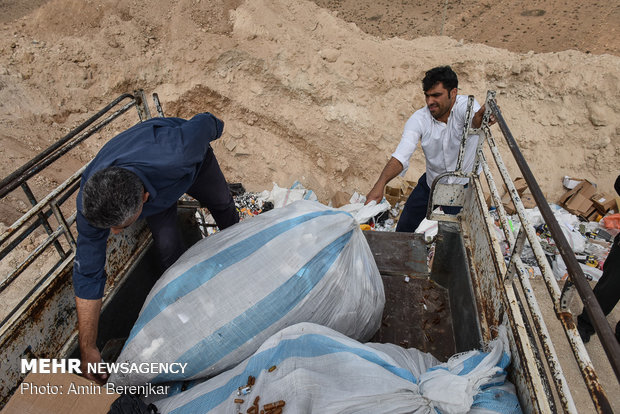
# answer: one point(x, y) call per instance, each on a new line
point(88, 321)
point(476, 122)
point(92, 356)
point(375, 194)
point(391, 170)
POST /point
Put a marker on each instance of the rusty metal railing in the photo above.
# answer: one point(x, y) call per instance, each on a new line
point(38, 216)
point(575, 272)
point(443, 194)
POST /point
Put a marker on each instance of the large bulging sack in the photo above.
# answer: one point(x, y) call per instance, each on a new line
point(308, 368)
point(231, 291)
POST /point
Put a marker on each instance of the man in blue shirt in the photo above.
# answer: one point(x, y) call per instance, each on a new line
point(141, 173)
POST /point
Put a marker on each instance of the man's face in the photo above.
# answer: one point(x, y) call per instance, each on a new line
point(440, 101)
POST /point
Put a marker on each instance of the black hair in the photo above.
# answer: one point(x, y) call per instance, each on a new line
point(111, 196)
point(443, 74)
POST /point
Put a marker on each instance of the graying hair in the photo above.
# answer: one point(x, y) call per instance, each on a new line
point(111, 196)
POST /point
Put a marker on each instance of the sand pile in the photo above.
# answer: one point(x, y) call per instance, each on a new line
point(305, 95)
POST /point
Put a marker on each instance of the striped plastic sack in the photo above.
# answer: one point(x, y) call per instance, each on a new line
point(476, 380)
point(308, 368)
point(231, 291)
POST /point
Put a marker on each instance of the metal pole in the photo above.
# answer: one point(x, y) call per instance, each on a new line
point(4, 190)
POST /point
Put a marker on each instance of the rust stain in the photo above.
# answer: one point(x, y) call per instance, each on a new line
point(567, 317)
point(599, 398)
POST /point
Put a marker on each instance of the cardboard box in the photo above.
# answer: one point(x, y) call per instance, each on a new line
point(603, 202)
point(52, 393)
point(407, 187)
point(393, 191)
point(527, 200)
point(577, 201)
point(586, 188)
point(392, 200)
point(520, 185)
point(579, 205)
point(594, 216)
point(507, 203)
point(591, 214)
point(393, 195)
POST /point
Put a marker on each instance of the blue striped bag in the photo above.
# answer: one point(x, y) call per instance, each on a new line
point(307, 368)
point(231, 291)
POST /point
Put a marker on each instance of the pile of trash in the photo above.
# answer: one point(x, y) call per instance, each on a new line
point(587, 217)
point(590, 241)
point(374, 216)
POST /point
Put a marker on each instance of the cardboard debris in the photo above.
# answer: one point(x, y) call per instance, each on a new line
point(578, 201)
point(526, 198)
point(528, 201)
point(520, 185)
point(393, 194)
point(603, 202)
point(407, 187)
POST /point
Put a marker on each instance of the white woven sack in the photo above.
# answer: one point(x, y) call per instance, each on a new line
point(231, 291)
point(313, 369)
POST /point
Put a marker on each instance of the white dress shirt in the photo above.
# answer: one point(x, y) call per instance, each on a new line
point(440, 141)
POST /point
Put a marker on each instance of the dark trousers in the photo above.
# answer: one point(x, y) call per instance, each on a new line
point(607, 289)
point(415, 207)
point(211, 190)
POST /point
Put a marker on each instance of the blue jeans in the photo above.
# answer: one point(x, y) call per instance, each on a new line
point(415, 207)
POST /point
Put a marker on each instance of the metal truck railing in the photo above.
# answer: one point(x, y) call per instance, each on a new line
point(38, 216)
point(515, 277)
point(36, 253)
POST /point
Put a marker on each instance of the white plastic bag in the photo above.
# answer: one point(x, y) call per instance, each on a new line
point(362, 213)
point(231, 291)
point(281, 197)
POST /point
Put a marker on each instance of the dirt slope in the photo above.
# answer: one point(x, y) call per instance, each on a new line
point(318, 95)
point(305, 94)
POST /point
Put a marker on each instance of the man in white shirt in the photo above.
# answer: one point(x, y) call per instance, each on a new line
point(439, 128)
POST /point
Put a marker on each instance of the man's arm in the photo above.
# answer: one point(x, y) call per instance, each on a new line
point(197, 134)
point(391, 170)
point(88, 283)
point(88, 322)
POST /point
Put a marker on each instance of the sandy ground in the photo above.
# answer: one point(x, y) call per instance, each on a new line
point(313, 91)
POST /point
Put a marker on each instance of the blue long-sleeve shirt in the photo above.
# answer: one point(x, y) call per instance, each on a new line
point(166, 153)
